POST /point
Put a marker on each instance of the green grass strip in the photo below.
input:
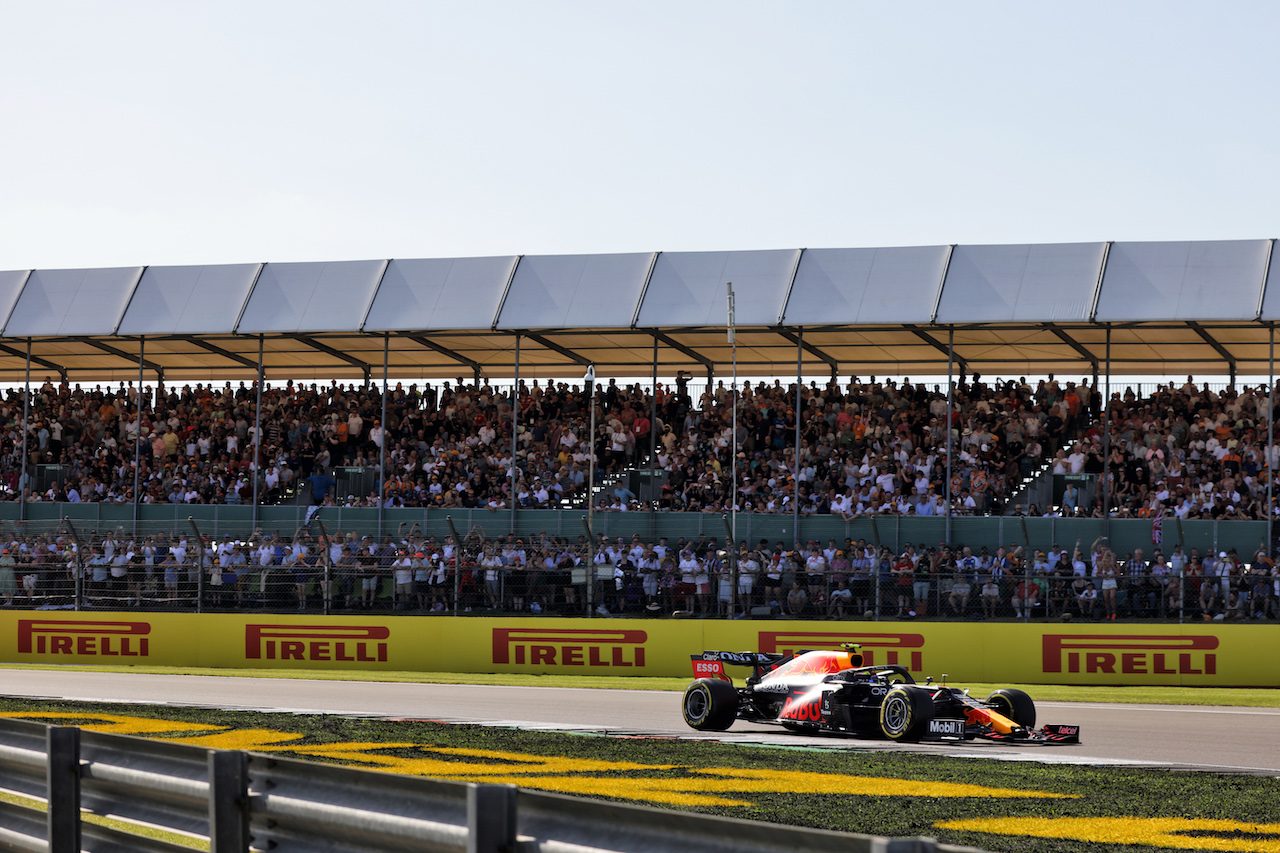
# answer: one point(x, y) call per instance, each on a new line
point(1250, 697)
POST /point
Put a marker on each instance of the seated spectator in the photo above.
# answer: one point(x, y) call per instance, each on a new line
point(990, 597)
point(840, 599)
point(958, 599)
point(1026, 598)
point(797, 600)
point(1087, 600)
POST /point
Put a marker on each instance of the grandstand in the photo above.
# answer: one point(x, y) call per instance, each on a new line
point(208, 401)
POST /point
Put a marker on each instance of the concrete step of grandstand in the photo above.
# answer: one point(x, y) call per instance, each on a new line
point(635, 479)
point(1034, 489)
point(1044, 490)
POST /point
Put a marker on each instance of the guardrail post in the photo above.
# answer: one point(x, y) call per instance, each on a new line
point(228, 801)
point(62, 779)
point(491, 818)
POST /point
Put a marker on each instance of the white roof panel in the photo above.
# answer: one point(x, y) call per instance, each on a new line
point(688, 288)
point(189, 300)
point(11, 282)
point(866, 286)
point(311, 297)
point(1023, 283)
point(1271, 296)
point(440, 294)
point(575, 291)
point(72, 302)
point(1201, 280)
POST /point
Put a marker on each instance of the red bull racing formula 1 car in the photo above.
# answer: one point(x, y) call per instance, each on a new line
point(826, 690)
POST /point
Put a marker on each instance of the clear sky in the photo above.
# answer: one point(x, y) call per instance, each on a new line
point(206, 132)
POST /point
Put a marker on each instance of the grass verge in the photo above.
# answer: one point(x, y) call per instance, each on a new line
point(994, 805)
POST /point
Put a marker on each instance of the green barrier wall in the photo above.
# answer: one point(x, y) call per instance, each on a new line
point(892, 531)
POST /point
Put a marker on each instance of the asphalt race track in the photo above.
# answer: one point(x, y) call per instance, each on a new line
point(1202, 738)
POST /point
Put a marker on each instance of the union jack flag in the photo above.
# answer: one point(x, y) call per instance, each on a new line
point(1157, 529)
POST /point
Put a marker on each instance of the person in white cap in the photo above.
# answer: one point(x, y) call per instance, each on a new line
point(1223, 568)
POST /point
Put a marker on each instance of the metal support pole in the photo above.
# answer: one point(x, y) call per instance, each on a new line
point(78, 580)
point(137, 435)
point(199, 564)
point(590, 382)
point(951, 402)
point(653, 438)
point(731, 555)
point(62, 778)
point(795, 491)
point(1271, 434)
point(327, 577)
point(515, 428)
point(457, 562)
point(732, 550)
point(1106, 446)
point(591, 563)
point(382, 451)
point(1182, 589)
point(257, 440)
point(23, 483)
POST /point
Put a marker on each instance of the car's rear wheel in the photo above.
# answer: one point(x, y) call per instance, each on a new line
point(710, 705)
point(905, 712)
point(1015, 705)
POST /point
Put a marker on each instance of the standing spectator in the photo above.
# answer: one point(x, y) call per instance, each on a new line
point(748, 568)
point(815, 567)
point(8, 581)
point(904, 573)
point(1134, 570)
point(402, 571)
point(960, 589)
point(1107, 572)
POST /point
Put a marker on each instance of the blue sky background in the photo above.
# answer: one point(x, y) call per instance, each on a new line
point(164, 133)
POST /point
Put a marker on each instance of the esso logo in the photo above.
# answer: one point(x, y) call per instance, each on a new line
point(700, 667)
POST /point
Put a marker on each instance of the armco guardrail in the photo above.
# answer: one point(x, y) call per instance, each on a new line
point(244, 801)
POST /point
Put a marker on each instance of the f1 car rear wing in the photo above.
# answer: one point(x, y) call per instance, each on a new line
point(710, 664)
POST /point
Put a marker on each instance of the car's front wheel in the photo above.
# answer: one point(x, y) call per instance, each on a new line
point(1015, 705)
point(905, 712)
point(710, 705)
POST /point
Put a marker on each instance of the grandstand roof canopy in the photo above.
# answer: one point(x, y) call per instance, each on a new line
point(1170, 308)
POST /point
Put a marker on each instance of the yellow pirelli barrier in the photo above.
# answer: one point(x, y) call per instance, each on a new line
point(1057, 653)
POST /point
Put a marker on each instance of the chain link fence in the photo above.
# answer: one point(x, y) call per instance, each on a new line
point(460, 571)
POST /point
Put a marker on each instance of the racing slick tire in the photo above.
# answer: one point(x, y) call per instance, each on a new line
point(1015, 705)
point(906, 712)
point(710, 705)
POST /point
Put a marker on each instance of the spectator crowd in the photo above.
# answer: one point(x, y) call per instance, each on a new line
point(864, 447)
point(546, 574)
